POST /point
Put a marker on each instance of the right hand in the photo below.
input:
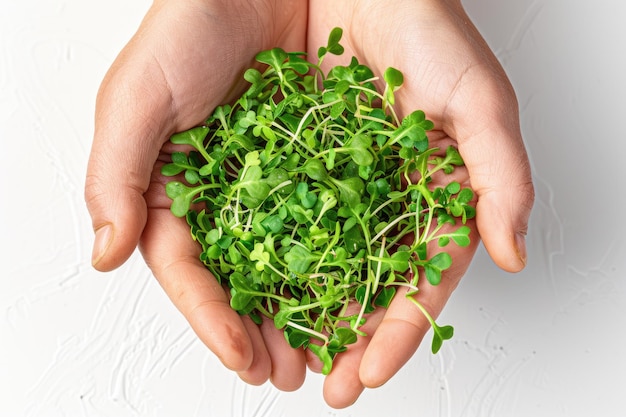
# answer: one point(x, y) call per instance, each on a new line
point(186, 58)
point(451, 74)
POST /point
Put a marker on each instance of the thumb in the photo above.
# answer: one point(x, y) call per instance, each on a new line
point(494, 153)
point(502, 180)
point(126, 144)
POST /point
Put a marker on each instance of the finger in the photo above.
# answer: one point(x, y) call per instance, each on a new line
point(130, 123)
point(261, 367)
point(403, 326)
point(396, 339)
point(343, 386)
point(173, 258)
point(313, 363)
point(288, 364)
point(136, 111)
point(500, 175)
point(483, 116)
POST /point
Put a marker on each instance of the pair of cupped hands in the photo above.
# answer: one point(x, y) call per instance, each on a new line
point(187, 57)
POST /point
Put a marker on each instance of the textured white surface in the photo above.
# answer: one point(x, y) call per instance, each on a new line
point(545, 342)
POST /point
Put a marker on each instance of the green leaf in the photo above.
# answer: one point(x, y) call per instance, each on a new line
point(324, 356)
point(296, 338)
point(460, 236)
point(280, 177)
point(361, 73)
point(254, 77)
point(433, 274)
point(456, 209)
point(321, 52)
point(212, 236)
point(435, 266)
point(208, 169)
point(180, 158)
point(349, 224)
point(354, 240)
point(241, 141)
point(268, 133)
point(307, 199)
point(360, 294)
point(337, 109)
point(224, 242)
point(260, 255)
point(341, 337)
point(194, 137)
point(385, 296)
point(442, 260)
point(394, 80)
point(240, 282)
point(453, 156)
point(234, 255)
point(297, 63)
point(241, 291)
point(192, 176)
point(359, 149)
point(273, 224)
point(252, 159)
point(398, 261)
point(291, 162)
point(383, 187)
point(181, 196)
point(299, 259)
point(333, 46)
point(397, 195)
point(239, 300)
point(315, 169)
point(300, 214)
point(411, 136)
point(214, 252)
point(253, 184)
point(440, 334)
point(453, 187)
point(465, 196)
point(274, 58)
point(248, 120)
point(282, 317)
point(330, 160)
point(291, 122)
point(169, 170)
point(350, 190)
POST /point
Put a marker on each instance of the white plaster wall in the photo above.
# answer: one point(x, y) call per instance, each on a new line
point(549, 341)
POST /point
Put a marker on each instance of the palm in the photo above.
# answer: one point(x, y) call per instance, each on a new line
point(185, 59)
point(448, 69)
point(203, 79)
point(188, 57)
point(196, 103)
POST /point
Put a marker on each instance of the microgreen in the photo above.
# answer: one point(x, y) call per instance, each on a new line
point(309, 193)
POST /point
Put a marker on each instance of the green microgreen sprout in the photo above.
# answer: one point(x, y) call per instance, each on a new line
point(308, 194)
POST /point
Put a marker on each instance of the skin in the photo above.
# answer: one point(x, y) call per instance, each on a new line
point(164, 82)
point(452, 75)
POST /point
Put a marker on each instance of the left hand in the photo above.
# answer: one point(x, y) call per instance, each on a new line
point(186, 58)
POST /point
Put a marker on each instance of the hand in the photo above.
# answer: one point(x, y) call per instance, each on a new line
point(186, 58)
point(452, 75)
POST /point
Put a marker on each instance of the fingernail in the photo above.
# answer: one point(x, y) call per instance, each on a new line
point(101, 243)
point(520, 242)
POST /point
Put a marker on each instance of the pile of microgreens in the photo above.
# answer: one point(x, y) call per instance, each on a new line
point(314, 195)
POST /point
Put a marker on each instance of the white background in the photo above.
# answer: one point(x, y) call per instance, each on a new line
point(549, 341)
